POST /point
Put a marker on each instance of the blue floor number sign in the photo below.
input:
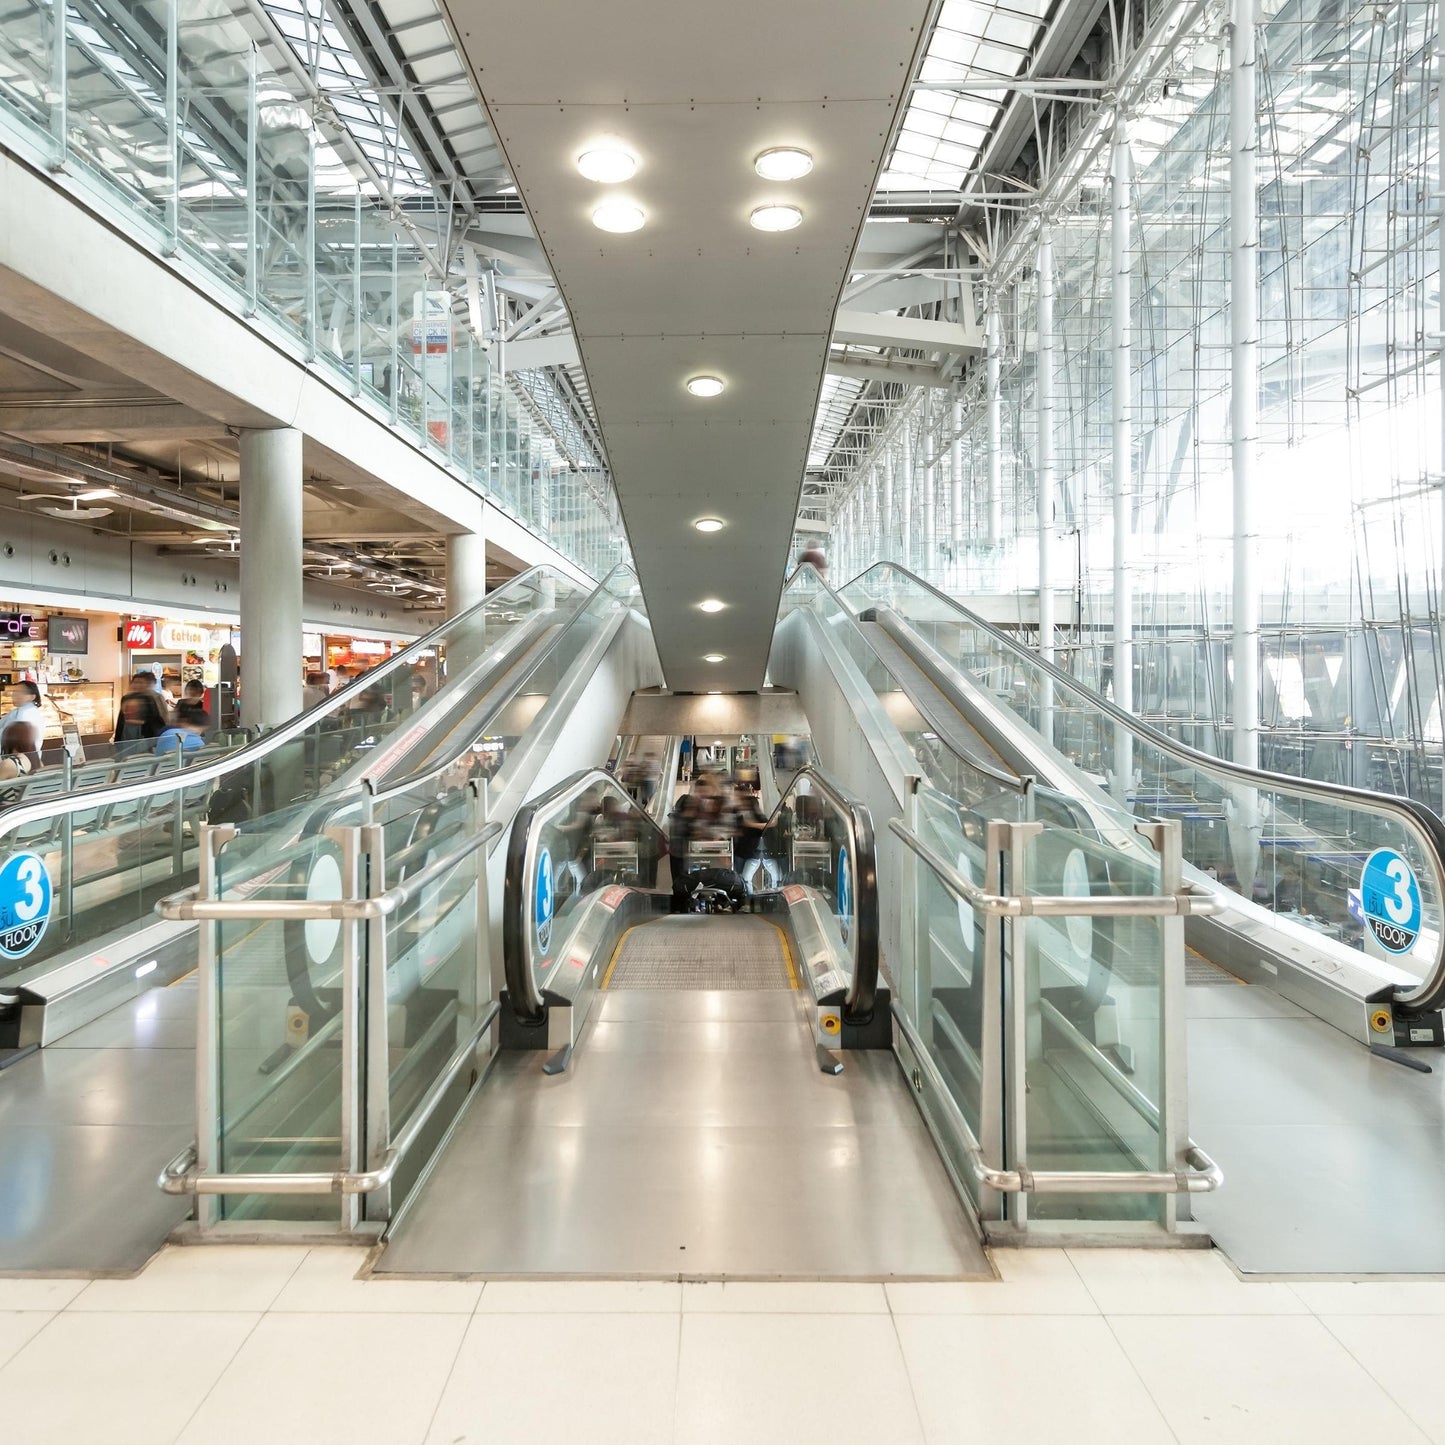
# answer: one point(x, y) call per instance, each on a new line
point(24, 904)
point(1390, 899)
point(542, 900)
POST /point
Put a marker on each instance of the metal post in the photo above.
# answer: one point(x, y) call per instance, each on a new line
point(1022, 1020)
point(353, 1127)
point(173, 128)
point(1167, 841)
point(394, 391)
point(309, 262)
point(885, 528)
point(1121, 240)
point(60, 81)
point(253, 252)
point(994, 358)
point(209, 1154)
point(1244, 373)
point(992, 1052)
point(356, 302)
point(1440, 290)
point(906, 462)
point(928, 439)
point(378, 1019)
point(1044, 468)
point(955, 485)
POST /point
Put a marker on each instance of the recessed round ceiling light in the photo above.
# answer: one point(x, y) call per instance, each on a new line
point(783, 163)
point(607, 164)
point(776, 218)
point(618, 216)
point(709, 524)
point(711, 604)
point(714, 657)
point(705, 385)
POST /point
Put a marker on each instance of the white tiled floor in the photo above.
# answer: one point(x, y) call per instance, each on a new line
point(211, 1346)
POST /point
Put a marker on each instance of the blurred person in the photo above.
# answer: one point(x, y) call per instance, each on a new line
point(193, 701)
point(188, 733)
point(420, 689)
point(315, 690)
point(814, 555)
point(24, 705)
point(681, 829)
point(648, 773)
point(749, 828)
point(140, 721)
point(19, 750)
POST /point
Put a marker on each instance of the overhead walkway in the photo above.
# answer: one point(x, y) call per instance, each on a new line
point(1317, 1136)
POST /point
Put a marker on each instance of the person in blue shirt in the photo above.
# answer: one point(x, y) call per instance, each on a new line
point(187, 735)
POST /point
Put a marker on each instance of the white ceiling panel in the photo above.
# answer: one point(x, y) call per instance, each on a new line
point(695, 94)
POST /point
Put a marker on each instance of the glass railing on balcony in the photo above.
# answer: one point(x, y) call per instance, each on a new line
point(177, 119)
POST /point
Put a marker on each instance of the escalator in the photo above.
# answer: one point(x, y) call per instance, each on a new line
point(697, 1093)
point(1295, 967)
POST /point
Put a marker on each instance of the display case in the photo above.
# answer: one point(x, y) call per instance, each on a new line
point(92, 704)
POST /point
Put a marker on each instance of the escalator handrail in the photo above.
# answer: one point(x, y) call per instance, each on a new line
point(245, 756)
point(1421, 822)
point(528, 1005)
point(1014, 783)
point(382, 788)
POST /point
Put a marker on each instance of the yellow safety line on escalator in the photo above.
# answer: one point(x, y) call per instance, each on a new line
point(617, 953)
point(787, 953)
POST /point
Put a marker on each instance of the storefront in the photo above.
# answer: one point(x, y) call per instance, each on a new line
point(355, 652)
point(75, 659)
point(177, 651)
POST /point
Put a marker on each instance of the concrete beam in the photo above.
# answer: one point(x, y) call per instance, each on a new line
point(119, 421)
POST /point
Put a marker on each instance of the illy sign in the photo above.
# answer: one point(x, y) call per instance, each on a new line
point(140, 634)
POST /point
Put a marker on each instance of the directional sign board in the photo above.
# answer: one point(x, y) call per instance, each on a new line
point(1390, 899)
point(25, 901)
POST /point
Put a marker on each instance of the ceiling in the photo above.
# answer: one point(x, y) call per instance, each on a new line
point(697, 290)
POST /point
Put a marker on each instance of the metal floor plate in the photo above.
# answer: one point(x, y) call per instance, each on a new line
point(693, 1136)
point(699, 951)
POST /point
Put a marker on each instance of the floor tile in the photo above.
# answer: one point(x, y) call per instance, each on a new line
point(1176, 1282)
point(1403, 1353)
point(519, 1379)
point(1027, 1378)
point(122, 1379)
point(1275, 1380)
point(779, 1378)
point(17, 1328)
point(39, 1294)
point(622, 1296)
point(220, 1277)
point(801, 1297)
point(1034, 1282)
point(326, 1282)
point(308, 1378)
point(1353, 1297)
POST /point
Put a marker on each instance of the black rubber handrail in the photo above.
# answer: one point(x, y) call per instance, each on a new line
point(530, 1007)
point(1414, 816)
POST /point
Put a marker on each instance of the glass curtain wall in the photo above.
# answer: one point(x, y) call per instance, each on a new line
point(291, 188)
point(1347, 509)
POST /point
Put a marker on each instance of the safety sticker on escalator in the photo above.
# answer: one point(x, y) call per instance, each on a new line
point(1390, 898)
point(25, 899)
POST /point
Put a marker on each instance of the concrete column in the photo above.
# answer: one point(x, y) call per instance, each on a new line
point(955, 485)
point(1044, 397)
point(271, 491)
point(891, 550)
point(907, 550)
point(466, 571)
point(928, 564)
point(995, 424)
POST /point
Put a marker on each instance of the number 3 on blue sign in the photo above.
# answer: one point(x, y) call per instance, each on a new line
point(1390, 899)
point(24, 904)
